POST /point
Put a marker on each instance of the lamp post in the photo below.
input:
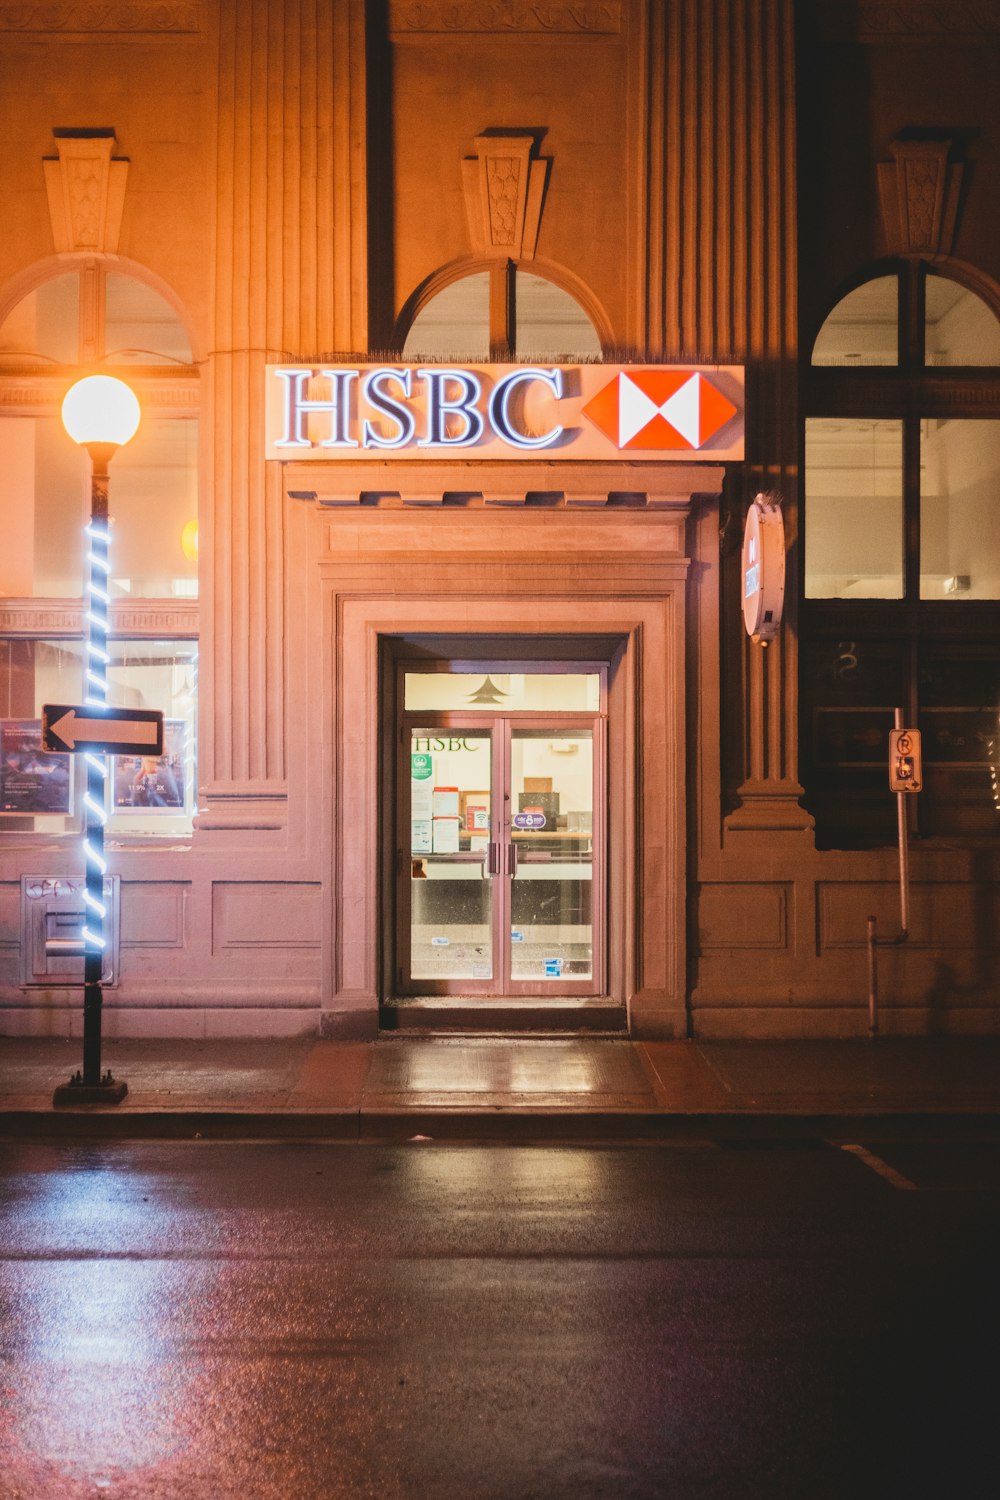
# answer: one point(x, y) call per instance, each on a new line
point(100, 413)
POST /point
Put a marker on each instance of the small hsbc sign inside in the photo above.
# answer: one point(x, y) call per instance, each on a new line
point(642, 413)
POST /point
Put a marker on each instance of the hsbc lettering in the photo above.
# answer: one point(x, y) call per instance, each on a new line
point(425, 744)
point(450, 404)
point(374, 413)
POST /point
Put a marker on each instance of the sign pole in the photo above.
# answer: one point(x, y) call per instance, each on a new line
point(97, 771)
point(905, 777)
point(91, 1087)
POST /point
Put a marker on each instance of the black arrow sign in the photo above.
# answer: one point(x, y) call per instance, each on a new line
point(105, 731)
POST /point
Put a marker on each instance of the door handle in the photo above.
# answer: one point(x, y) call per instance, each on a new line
point(492, 861)
point(512, 858)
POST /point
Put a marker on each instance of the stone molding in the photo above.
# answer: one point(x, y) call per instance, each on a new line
point(501, 17)
point(242, 807)
point(86, 191)
point(918, 191)
point(25, 617)
point(503, 191)
point(873, 20)
point(152, 619)
point(139, 18)
point(32, 388)
point(395, 485)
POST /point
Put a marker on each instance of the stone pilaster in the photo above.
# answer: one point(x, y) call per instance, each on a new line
point(289, 282)
point(722, 287)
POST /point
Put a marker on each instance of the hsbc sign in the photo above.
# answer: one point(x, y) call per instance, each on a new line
point(640, 413)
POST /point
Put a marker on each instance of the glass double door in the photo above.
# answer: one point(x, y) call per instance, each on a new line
point(502, 881)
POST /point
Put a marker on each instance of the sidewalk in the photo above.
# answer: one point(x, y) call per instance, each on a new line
point(492, 1088)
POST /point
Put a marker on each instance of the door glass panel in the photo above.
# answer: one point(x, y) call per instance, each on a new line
point(501, 692)
point(552, 834)
point(451, 910)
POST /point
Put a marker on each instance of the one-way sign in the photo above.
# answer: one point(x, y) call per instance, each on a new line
point(107, 731)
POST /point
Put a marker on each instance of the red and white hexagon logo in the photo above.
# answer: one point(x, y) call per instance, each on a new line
point(659, 409)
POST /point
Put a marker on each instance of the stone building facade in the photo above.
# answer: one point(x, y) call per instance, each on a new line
point(201, 194)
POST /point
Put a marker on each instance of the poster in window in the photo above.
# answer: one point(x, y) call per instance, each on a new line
point(32, 781)
point(154, 783)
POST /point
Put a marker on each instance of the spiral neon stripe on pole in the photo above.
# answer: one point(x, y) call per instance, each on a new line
point(96, 686)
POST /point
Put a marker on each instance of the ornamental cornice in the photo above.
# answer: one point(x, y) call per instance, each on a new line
point(24, 617)
point(26, 388)
point(873, 20)
point(128, 617)
point(96, 18)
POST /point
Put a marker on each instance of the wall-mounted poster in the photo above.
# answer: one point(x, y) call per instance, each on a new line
point(32, 781)
point(155, 783)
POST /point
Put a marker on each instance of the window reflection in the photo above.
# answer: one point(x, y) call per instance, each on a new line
point(46, 323)
point(854, 482)
point(551, 692)
point(44, 482)
point(863, 327)
point(153, 496)
point(140, 326)
point(45, 477)
point(42, 793)
point(959, 328)
point(455, 321)
point(551, 323)
point(539, 321)
point(959, 510)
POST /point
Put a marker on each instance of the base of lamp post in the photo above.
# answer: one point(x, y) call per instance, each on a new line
point(108, 1091)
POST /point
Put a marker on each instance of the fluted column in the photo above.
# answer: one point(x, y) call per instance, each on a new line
point(721, 283)
point(289, 282)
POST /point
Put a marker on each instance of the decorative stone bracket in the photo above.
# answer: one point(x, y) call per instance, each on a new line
point(503, 190)
point(919, 194)
point(86, 188)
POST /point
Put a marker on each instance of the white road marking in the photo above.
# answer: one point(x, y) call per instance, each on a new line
point(881, 1167)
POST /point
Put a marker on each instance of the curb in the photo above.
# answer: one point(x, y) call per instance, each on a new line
point(525, 1126)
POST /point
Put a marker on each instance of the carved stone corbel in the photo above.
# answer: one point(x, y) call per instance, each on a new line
point(919, 195)
point(503, 189)
point(86, 189)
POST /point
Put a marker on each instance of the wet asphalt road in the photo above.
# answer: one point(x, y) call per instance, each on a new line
point(789, 1321)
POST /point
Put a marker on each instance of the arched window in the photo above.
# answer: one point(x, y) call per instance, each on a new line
point(500, 312)
point(901, 574)
point(96, 317)
point(85, 319)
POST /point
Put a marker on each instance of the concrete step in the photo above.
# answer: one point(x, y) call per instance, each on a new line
point(529, 1015)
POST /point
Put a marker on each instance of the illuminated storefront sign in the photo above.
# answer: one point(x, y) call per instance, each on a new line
point(370, 412)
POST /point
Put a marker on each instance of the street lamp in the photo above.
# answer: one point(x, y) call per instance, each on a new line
point(100, 413)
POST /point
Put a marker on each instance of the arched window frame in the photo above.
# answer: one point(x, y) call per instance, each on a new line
point(502, 300)
point(33, 386)
point(927, 634)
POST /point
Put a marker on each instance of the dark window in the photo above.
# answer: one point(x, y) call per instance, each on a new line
point(901, 556)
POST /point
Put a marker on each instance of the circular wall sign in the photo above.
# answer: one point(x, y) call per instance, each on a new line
point(763, 570)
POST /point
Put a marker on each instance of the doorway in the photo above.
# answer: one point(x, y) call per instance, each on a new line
point(501, 830)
